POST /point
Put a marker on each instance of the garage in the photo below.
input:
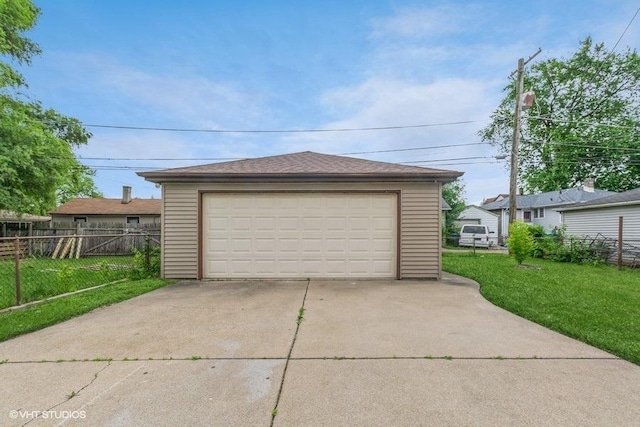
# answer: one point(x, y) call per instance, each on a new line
point(299, 235)
point(301, 215)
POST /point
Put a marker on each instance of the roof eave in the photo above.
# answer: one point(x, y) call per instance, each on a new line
point(280, 178)
point(600, 206)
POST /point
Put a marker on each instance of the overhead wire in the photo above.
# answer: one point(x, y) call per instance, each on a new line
point(357, 129)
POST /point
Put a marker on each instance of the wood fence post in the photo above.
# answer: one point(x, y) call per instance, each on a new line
point(620, 223)
point(147, 252)
point(16, 246)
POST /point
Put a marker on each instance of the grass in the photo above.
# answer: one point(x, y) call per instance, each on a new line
point(599, 305)
point(31, 319)
point(45, 277)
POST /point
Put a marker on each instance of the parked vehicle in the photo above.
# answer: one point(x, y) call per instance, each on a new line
point(476, 235)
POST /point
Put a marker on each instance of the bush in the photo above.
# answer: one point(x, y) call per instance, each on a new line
point(144, 268)
point(520, 241)
point(536, 231)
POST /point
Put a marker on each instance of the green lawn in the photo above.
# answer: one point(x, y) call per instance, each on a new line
point(30, 319)
point(46, 277)
point(597, 305)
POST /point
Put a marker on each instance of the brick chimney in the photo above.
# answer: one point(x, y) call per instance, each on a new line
point(589, 185)
point(126, 194)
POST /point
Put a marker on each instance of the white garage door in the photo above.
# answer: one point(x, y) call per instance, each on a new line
point(299, 235)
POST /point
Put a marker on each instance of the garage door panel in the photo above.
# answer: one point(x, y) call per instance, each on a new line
point(312, 223)
point(335, 246)
point(381, 246)
point(311, 246)
point(241, 246)
point(265, 267)
point(299, 235)
point(336, 223)
point(289, 223)
point(218, 223)
point(381, 266)
point(265, 245)
point(383, 223)
point(218, 246)
point(263, 223)
point(383, 204)
point(240, 223)
point(335, 266)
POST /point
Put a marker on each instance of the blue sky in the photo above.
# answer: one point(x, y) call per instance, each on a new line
point(271, 65)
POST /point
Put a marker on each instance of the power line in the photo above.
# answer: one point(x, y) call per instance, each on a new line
point(396, 150)
point(454, 159)
point(625, 30)
point(279, 130)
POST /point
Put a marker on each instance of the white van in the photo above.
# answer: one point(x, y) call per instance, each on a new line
point(475, 235)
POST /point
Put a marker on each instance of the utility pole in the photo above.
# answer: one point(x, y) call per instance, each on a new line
point(515, 147)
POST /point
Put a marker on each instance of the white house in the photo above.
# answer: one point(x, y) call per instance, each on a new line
point(543, 208)
point(601, 216)
point(476, 215)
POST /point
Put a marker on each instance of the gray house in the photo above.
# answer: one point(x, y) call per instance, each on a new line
point(301, 215)
point(601, 216)
point(541, 209)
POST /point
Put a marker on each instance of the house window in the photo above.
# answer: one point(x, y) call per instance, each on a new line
point(538, 213)
point(133, 220)
point(526, 215)
point(79, 219)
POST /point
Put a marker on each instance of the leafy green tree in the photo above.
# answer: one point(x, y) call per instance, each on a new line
point(453, 194)
point(38, 167)
point(520, 241)
point(585, 122)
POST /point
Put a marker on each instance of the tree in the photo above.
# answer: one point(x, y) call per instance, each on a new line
point(38, 167)
point(453, 194)
point(520, 241)
point(585, 122)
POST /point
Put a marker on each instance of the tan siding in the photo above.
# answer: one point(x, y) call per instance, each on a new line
point(420, 232)
point(419, 223)
point(180, 231)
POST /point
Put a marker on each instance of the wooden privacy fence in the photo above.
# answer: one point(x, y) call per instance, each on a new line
point(70, 228)
point(77, 246)
point(8, 249)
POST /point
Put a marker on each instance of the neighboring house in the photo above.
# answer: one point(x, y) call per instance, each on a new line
point(541, 209)
point(601, 216)
point(301, 215)
point(476, 215)
point(99, 210)
point(444, 206)
point(12, 223)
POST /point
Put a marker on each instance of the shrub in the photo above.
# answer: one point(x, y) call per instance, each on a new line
point(536, 231)
point(520, 241)
point(143, 268)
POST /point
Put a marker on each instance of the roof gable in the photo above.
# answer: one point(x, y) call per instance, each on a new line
point(301, 166)
point(100, 206)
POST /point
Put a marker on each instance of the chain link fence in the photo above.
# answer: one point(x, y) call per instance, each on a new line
point(576, 249)
point(36, 268)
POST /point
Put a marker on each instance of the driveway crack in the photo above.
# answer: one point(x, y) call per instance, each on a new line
point(299, 320)
point(73, 393)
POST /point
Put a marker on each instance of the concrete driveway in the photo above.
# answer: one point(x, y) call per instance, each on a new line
point(369, 353)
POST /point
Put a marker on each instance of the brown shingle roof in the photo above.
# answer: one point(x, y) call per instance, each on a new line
point(86, 206)
point(301, 166)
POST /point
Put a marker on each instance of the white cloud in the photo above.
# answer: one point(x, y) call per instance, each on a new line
point(415, 22)
point(178, 97)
